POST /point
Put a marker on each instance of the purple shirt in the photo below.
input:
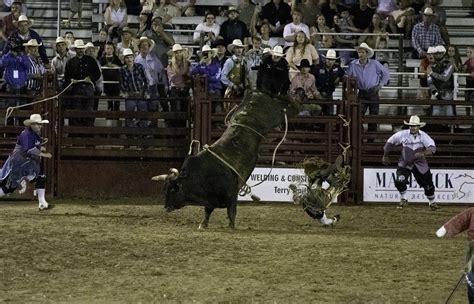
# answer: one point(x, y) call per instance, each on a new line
point(369, 75)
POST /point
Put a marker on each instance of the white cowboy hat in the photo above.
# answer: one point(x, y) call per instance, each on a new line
point(23, 18)
point(267, 51)
point(60, 40)
point(440, 49)
point(127, 52)
point(331, 54)
point(178, 47)
point(232, 9)
point(144, 39)
point(415, 122)
point(235, 43)
point(428, 11)
point(91, 45)
point(278, 51)
point(35, 119)
point(78, 44)
point(364, 46)
point(432, 50)
point(32, 42)
point(207, 48)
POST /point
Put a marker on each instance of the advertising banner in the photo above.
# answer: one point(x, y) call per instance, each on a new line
point(274, 187)
point(452, 186)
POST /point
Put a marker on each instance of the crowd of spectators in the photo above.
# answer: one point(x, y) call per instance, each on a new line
point(267, 45)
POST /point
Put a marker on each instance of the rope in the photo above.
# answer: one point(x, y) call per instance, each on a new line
point(73, 81)
point(250, 128)
point(191, 146)
point(207, 148)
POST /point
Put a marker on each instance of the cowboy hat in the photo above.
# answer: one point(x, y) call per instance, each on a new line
point(432, 50)
point(205, 49)
point(304, 64)
point(144, 39)
point(415, 122)
point(60, 40)
point(278, 51)
point(440, 49)
point(78, 44)
point(364, 46)
point(330, 54)
point(178, 47)
point(235, 43)
point(428, 11)
point(32, 42)
point(23, 18)
point(127, 52)
point(35, 119)
point(232, 9)
point(91, 45)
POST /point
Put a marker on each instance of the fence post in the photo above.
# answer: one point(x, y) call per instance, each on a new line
point(202, 111)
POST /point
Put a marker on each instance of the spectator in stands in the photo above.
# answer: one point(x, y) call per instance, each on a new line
point(143, 24)
point(371, 77)
point(345, 25)
point(381, 56)
point(310, 9)
point(468, 67)
point(425, 63)
point(303, 88)
point(179, 77)
point(253, 59)
point(59, 61)
point(146, 14)
point(330, 9)
point(24, 163)
point(25, 34)
point(75, 7)
point(246, 9)
point(301, 49)
point(441, 82)
point(221, 48)
point(212, 70)
point(81, 67)
point(10, 20)
point(134, 88)
point(110, 65)
point(163, 41)
point(277, 14)
point(233, 28)
point(127, 40)
point(439, 18)
point(235, 71)
point(16, 66)
point(401, 20)
point(167, 9)
point(69, 36)
point(153, 70)
point(362, 15)
point(273, 77)
point(264, 34)
point(320, 27)
point(290, 30)
point(376, 27)
point(7, 5)
point(328, 75)
point(425, 34)
point(91, 50)
point(36, 68)
point(115, 19)
point(453, 56)
point(207, 31)
point(100, 42)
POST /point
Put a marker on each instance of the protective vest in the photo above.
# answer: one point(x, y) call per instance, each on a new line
point(237, 74)
point(439, 68)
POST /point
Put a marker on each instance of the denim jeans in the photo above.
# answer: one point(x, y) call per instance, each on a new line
point(132, 105)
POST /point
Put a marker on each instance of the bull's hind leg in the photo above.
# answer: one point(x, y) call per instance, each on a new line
point(205, 221)
point(231, 213)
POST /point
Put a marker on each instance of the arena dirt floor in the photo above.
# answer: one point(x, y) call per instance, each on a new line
point(132, 251)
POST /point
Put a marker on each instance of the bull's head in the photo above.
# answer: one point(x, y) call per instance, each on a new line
point(174, 194)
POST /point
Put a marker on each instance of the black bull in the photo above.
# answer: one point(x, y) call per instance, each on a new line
point(212, 178)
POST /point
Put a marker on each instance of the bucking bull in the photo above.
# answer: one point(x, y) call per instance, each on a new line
point(213, 176)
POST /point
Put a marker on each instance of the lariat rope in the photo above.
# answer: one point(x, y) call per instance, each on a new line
point(73, 81)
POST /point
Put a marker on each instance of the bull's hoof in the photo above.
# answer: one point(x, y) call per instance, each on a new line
point(202, 226)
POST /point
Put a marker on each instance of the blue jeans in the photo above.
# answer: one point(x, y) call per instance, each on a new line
point(132, 105)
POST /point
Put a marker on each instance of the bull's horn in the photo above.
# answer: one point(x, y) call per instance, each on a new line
point(159, 177)
point(173, 173)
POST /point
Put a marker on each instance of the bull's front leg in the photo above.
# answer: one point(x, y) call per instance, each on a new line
point(207, 214)
point(231, 213)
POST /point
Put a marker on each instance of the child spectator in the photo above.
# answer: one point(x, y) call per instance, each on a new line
point(133, 87)
point(303, 88)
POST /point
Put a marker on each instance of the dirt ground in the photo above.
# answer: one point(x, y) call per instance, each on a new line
point(132, 251)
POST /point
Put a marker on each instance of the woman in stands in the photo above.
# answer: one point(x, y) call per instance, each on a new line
point(469, 68)
point(321, 27)
point(115, 19)
point(301, 49)
point(207, 31)
point(452, 54)
point(376, 27)
point(264, 34)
